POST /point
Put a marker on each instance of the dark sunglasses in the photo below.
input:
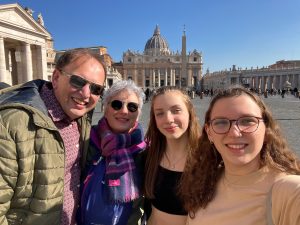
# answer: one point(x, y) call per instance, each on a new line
point(131, 106)
point(79, 82)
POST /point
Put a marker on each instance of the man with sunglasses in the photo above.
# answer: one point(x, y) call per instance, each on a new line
point(44, 131)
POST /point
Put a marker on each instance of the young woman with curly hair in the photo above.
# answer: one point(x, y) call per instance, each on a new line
point(243, 171)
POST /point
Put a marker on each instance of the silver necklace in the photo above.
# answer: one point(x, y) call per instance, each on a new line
point(175, 162)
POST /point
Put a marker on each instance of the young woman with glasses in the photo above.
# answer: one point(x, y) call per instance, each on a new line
point(112, 189)
point(173, 133)
point(243, 171)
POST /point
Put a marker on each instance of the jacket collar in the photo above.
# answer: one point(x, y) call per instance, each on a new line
point(27, 94)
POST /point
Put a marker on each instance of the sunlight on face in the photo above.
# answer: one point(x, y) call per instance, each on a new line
point(239, 150)
point(77, 102)
point(122, 120)
point(171, 115)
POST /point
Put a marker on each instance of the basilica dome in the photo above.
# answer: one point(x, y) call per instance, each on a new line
point(157, 45)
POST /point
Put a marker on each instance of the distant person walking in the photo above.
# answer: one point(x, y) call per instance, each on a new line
point(283, 93)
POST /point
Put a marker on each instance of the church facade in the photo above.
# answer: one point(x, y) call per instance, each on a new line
point(26, 47)
point(159, 66)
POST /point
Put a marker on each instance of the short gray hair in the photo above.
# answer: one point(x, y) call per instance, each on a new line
point(123, 85)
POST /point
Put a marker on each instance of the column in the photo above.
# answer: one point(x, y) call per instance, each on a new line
point(280, 82)
point(277, 84)
point(166, 77)
point(153, 78)
point(44, 63)
point(263, 81)
point(293, 81)
point(259, 84)
point(252, 82)
point(267, 80)
point(174, 78)
point(20, 68)
point(256, 82)
point(28, 61)
point(158, 76)
point(143, 78)
point(42, 71)
point(150, 77)
point(10, 67)
point(2, 61)
point(135, 76)
point(189, 78)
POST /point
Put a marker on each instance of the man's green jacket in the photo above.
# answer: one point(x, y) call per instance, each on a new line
point(32, 158)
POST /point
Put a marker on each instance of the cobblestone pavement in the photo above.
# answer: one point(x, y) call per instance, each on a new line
point(285, 110)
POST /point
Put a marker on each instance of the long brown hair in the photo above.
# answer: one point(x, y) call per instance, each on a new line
point(198, 184)
point(157, 142)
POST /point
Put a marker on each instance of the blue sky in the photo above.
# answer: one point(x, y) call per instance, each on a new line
point(245, 33)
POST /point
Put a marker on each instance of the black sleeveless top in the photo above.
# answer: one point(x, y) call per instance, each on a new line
point(166, 199)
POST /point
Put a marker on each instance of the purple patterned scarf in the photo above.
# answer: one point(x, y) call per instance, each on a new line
point(119, 149)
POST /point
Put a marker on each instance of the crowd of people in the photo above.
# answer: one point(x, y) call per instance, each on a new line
point(56, 168)
point(211, 92)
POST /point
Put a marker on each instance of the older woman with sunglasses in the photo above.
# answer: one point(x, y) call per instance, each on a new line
point(243, 172)
point(112, 188)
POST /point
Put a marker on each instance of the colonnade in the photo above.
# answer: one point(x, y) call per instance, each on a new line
point(21, 61)
point(266, 79)
point(156, 78)
point(275, 81)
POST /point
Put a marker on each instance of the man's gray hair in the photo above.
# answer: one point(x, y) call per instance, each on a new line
point(123, 85)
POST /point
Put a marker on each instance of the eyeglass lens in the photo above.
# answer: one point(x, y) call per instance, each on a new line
point(79, 82)
point(131, 106)
point(244, 124)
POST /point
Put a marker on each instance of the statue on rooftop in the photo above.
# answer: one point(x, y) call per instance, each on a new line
point(40, 19)
point(29, 11)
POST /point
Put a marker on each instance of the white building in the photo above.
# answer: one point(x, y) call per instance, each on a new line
point(26, 47)
point(273, 77)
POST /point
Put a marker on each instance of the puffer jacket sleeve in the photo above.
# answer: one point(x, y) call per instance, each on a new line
point(8, 171)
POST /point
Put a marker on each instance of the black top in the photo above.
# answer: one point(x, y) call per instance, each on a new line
point(166, 199)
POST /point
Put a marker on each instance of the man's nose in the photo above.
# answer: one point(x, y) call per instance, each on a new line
point(86, 92)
